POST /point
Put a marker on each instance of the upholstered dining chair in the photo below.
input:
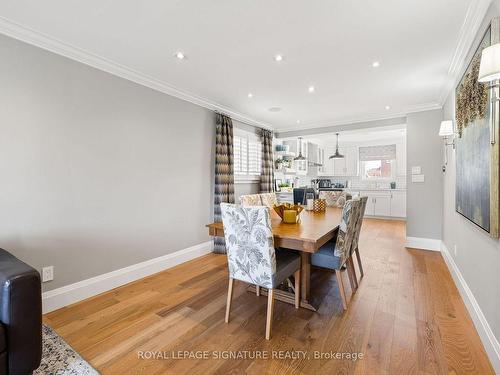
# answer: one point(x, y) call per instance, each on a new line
point(337, 252)
point(251, 200)
point(251, 255)
point(355, 242)
point(268, 199)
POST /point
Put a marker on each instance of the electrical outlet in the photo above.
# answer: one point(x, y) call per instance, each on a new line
point(47, 274)
point(455, 249)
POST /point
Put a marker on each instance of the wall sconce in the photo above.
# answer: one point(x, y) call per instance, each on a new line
point(489, 71)
point(446, 130)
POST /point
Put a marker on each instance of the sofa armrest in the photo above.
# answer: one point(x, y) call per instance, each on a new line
point(21, 313)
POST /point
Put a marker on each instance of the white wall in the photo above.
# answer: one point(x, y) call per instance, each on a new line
point(98, 173)
point(478, 255)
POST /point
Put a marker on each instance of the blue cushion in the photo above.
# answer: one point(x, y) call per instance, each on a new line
point(325, 257)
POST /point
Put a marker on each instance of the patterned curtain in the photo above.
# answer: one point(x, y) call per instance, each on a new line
point(224, 172)
point(267, 170)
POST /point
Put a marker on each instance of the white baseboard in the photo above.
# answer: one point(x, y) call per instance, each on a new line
point(66, 295)
point(488, 339)
point(423, 243)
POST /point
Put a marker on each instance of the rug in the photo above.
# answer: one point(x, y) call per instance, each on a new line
point(58, 358)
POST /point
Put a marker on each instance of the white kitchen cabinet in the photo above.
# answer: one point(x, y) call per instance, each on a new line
point(385, 203)
point(348, 165)
point(321, 160)
point(382, 205)
point(352, 158)
point(339, 165)
point(312, 159)
point(398, 203)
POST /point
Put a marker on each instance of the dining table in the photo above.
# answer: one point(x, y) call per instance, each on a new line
point(307, 236)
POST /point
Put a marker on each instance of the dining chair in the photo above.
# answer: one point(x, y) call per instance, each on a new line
point(355, 242)
point(337, 252)
point(252, 257)
point(269, 199)
point(251, 200)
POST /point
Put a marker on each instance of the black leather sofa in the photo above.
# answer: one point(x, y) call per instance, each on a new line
point(20, 316)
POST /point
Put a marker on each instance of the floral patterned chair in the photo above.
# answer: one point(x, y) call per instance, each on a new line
point(337, 253)
point(250, 200)
point(335, 198)
point(269, 199)
point(251, 255)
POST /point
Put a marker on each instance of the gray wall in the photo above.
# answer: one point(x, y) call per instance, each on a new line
point(98, 173)
point(424, 201)
point(478, 255)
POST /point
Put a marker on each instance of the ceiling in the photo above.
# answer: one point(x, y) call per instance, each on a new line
point(230, 48)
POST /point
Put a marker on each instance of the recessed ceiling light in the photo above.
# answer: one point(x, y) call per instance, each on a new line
point(278, 58)
point(250, 95)
point(274, 109)
point(311, 89)
point(298, 121)
point(375, 64)
point(180, 55)
point(387, 107)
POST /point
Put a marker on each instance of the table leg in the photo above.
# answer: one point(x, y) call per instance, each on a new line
point(305, 275)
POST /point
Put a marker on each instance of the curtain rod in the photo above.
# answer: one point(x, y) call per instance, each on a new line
point(243, 121)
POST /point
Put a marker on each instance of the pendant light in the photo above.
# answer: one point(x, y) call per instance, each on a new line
point(300, 157)
point(337, 154)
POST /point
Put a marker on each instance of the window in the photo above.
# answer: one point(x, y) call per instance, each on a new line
point(247, 148)
point(377, 162)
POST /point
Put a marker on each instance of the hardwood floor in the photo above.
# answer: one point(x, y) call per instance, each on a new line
point(407, 317)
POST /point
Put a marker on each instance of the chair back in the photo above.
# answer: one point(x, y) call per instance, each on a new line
point(300, 194)
point(250, 200)
point(347, 229)
point(269, 199)
point(359, 223)
point(250, 244)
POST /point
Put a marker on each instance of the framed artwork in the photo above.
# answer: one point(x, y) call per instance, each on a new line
point(477, 143)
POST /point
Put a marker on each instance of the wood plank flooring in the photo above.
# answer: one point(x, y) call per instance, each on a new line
point(407, 317)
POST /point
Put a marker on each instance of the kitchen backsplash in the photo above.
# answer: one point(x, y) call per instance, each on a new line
point(357, 182)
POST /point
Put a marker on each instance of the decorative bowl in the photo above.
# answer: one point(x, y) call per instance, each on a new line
point(289, 213)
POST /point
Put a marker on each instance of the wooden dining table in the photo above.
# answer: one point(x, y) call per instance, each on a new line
point(313, 231)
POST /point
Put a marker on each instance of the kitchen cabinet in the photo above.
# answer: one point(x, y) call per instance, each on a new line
point(398, 203)
point(312, 159)
point(348, 165)
point(384, 203)
point(321, 160)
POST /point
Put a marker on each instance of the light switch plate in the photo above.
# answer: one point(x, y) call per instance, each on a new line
point(416, 170)
point(47, 274)
point(417, 178)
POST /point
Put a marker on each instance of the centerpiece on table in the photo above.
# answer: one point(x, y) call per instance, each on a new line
point(289, 213)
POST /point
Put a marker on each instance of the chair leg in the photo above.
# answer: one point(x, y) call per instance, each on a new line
point(354, 273)
point(270, 309)
point(229, 298)
point(349, 274)
point(257, 290)
point(297, 288)
point(338, 274)
point(359, 263)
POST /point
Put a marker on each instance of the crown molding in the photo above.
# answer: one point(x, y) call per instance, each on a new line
point(473, 19)
point(46, 42)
